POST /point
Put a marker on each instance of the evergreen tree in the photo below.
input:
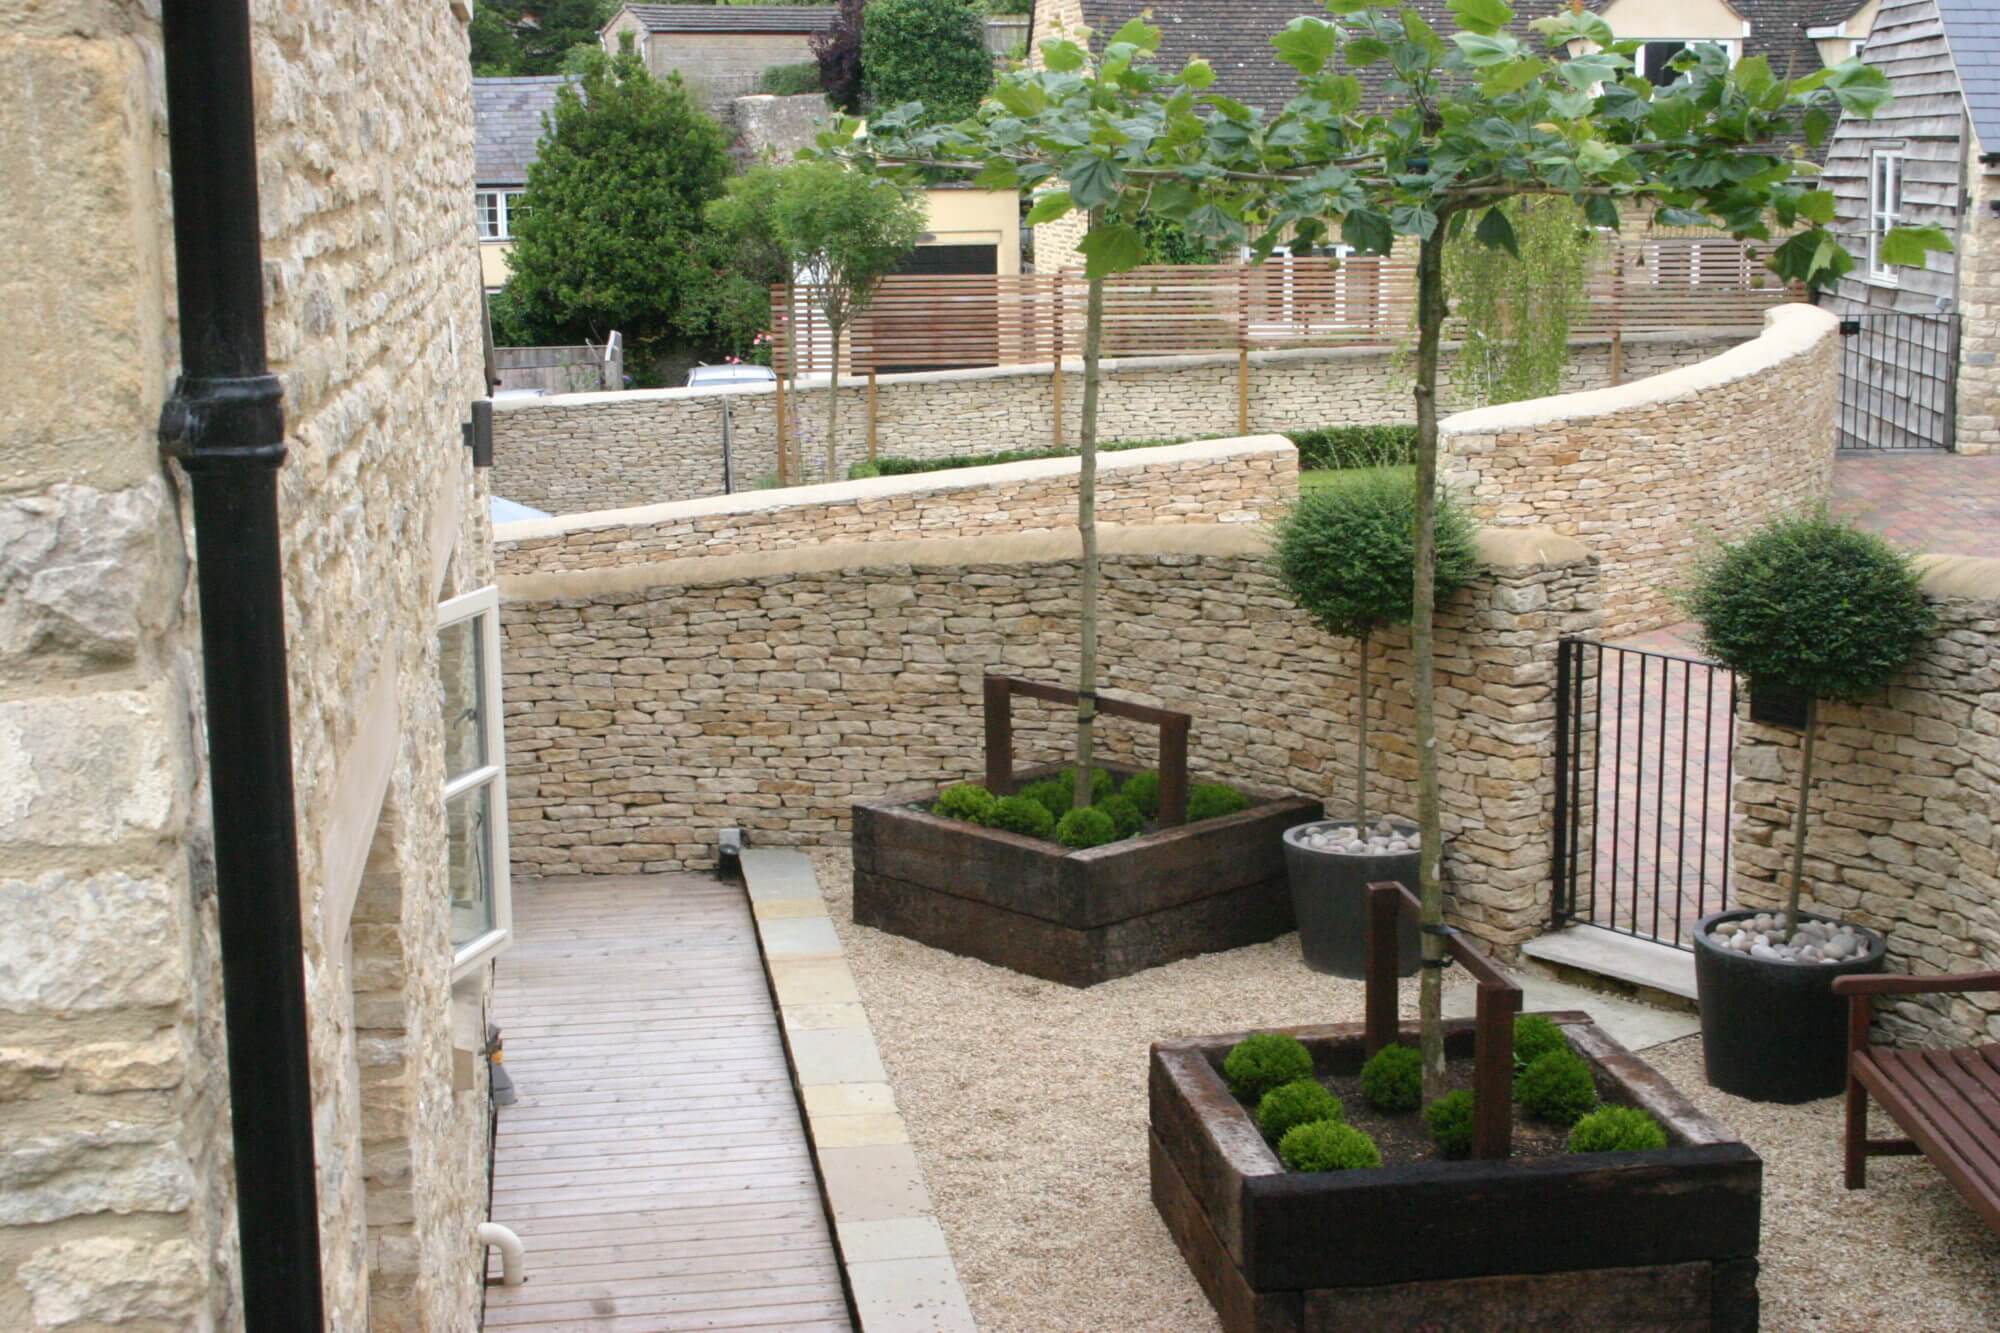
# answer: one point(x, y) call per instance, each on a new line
point(533, 36)
point(928, 51)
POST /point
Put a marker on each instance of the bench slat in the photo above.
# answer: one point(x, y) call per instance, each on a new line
point(1901, 1082)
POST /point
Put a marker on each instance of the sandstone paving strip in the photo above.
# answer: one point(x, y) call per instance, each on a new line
point(1026, 1102)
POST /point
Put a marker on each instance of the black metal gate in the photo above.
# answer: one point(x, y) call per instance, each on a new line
point(1642, 789)
point(1898, 381)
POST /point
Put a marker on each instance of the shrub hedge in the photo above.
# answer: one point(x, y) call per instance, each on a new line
point(789, 80)
point(1355, 446)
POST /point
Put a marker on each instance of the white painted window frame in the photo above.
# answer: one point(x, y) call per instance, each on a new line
point(483, 604)
point(1885, 178)
point(499, 225)
point(1734, 46)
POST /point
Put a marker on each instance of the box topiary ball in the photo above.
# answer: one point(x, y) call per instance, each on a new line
point(1534, 1037)
point(1393, 1079)
point(1143, 790)
point(966, 800)
point(1297, 1103)
point(1102, 782)
point(1617, 1129)
point(1023, 815)
point(1327, 1145)
point(1051, 795)
point(1088, 827)
point(1263, 1061)
point(1450, 1122)
point(1125, 816)
point(1212, 800)
point(1557, 1088)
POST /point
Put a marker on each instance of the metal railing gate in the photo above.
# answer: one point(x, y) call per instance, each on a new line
point(1898, 381)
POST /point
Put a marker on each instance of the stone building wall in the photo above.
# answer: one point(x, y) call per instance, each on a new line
point(649, 708)
point(116, 1194)
point(1905, 798)
point(1218, 481)
point(582, 452)
point(1645, 473)
point(1978, 241)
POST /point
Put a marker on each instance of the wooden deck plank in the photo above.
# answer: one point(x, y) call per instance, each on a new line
point(654, 1165)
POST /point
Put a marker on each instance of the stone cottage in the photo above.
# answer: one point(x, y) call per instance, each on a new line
point(719, 49)
point(119, 1179)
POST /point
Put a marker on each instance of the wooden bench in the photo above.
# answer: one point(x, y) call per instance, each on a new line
point(1947, 1101)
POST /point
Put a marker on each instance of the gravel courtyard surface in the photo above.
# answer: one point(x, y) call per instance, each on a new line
point(1027, 1104)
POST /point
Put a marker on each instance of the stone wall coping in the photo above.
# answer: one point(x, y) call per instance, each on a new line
point(1071, 365)
point(882, 488)
point(1511, 549)
point(1975, 578)
point(1789, 331)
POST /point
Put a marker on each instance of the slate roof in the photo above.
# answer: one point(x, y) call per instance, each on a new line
point(734, 18)
point(1972, 27)
point(507, 125)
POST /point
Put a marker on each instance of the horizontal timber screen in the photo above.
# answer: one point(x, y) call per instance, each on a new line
point(937, 322)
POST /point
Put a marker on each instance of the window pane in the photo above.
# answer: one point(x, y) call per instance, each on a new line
point(461, 679)
point(1657, 58)
point(489, 213)
point(468, 822)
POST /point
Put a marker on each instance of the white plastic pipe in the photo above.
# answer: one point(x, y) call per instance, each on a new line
point(512, 1254)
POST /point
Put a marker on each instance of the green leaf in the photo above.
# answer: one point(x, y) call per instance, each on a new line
point(1093, 181)
point(1365, 51)
point(1368, 232)
point(1819, 122)
point(1497, 233)
point(1511, 77)
point(1139, 33)
point(1064, 57)
point(1817, 206)
point(1482, 52)
point(1197, 74)
point(1115, 247)
point(1859, 88)
point(1340, 92)
point(1306, 44)
point(1481, 16)
point(1601, 211)
point(997, 174)
point(1212, 223)
point(1048, 207)
point(1753, 76)
point(1910, 246)
point(1413, 220)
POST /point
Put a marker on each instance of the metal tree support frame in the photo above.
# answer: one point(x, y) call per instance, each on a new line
point(1898, 381)
point(1498, 1003)
point(1643, 741)
point(999, 702)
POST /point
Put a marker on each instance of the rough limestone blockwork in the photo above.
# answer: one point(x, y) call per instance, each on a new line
point(1218, 481)
point(771, 692)
point(1978, 427)
point(1647, 473)
point(117, 1197)
point(1905, 799)
point(582, 452)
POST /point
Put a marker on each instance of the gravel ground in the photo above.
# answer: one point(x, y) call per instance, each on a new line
point(1027, 1104)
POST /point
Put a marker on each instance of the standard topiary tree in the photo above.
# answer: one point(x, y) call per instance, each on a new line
point(1814, 605)
point(1346, 553)
point(929, 51)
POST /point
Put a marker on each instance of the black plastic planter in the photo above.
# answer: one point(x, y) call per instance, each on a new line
point(1773, 1031)
point(1330, 901)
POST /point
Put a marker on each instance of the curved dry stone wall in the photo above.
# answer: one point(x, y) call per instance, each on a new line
point(1243, 481)
point(577, 453)
point(1905, 796)
point(1647, 473)
point(649, 708)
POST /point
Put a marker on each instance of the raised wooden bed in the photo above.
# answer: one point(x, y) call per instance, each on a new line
point(1644, 1240)
point(1078, 917)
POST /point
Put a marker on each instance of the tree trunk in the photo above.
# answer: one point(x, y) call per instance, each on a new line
point(1799, 822)
point(1423, 651)
point(1361, 746)
point(833, 411)
point(1086, 526)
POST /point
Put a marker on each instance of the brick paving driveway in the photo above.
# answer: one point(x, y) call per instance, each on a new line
point(1933, 503)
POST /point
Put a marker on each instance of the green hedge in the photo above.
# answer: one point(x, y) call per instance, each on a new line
point(1355, 446)
point(789, 80)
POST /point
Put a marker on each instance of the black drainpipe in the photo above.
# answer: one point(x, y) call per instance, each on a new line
point(225, 424)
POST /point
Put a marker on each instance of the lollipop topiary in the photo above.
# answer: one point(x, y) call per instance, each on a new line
point(1327, 1145)
point(1617, 1129)
point(1263, 1061)
point(1393, 1079)
point(1300, 1102)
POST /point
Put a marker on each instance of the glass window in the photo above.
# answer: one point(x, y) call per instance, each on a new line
point(475, 787)
point(1655, 58)
point(487, 203)
point(1885, 207)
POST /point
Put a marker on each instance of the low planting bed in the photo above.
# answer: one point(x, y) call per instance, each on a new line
point(1659, 1238)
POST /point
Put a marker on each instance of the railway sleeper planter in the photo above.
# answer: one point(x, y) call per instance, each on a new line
point(1641, 1240)
point(1077, 917)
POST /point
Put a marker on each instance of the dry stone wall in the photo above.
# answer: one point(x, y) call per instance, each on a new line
point(1978, 240)
point(650, 708)
point(1218, 481)
point(116, 1190)
point(1646, 473)
point(577, 453)
point(1905, 796)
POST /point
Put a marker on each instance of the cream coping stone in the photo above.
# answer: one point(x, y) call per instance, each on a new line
point(1789, 331)
point(1970, 576)
point(1500, 548)
point(880, 488)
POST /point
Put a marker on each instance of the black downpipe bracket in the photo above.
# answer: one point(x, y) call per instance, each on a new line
point(225, 425)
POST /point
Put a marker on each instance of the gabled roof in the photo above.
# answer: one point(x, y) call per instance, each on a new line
point(507, 125)
point(1972, 28)
point(734, 18)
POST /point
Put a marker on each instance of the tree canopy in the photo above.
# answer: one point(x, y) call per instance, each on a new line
point(927, 52)
point(533, 36)
point(612, 232)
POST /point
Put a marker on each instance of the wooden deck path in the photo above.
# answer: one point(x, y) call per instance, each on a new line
point(655, 1164)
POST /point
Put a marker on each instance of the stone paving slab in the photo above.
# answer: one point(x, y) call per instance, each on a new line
point(1924, 501)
